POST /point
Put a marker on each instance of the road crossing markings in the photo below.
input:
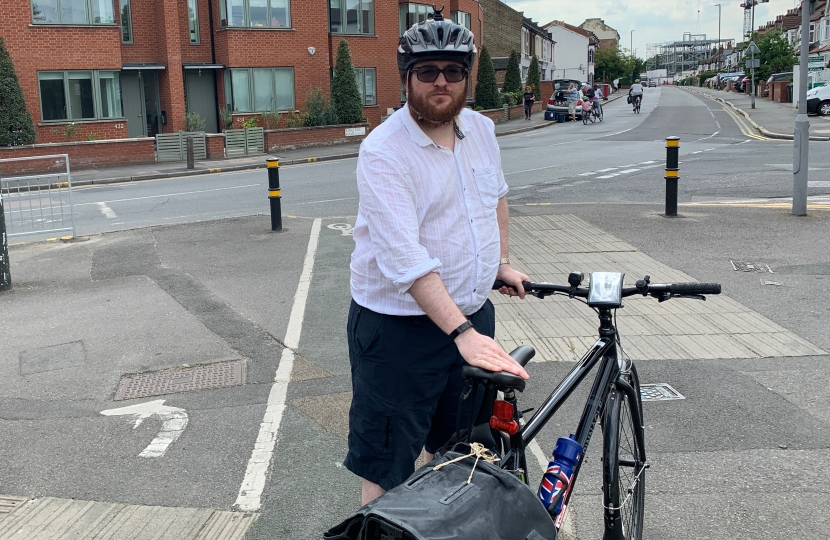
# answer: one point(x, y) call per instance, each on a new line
point(256, 474)
point(106, 210)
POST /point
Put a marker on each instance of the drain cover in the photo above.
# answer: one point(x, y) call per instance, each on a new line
point(741, 266)
point(659, 392)
point(173, 381)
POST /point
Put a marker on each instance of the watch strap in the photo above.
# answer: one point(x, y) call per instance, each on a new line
point(466, 325)
point(504, 260)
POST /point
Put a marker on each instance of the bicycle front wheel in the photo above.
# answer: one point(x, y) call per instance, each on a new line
point(623, 461)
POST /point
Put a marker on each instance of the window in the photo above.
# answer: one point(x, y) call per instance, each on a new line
point(193, 21)
point(366, 78)
point(351, 17)
point(464, 19)
point(254, 13)
point(126, 21)
point(411, 14)
point(812, 32)
point(72, 12)
point(79, 95)
point(259, 89)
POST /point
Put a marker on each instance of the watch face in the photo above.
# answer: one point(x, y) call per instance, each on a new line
point(605, 289)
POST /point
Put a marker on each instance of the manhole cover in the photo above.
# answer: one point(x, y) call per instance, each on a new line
point(742, 266)
point(659, 392)
point(173, 381)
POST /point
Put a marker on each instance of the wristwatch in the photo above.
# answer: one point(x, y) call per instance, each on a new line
point(466, 325)
point(504, 260)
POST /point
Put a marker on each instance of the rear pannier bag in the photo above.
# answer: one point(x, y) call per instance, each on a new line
point(441, 504)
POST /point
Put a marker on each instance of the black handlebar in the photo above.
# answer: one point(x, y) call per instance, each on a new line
point(643, 287)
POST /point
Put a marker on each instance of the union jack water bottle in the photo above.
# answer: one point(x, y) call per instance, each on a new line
point(557, 480)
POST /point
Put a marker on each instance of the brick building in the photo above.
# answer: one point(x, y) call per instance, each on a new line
point(133, 68)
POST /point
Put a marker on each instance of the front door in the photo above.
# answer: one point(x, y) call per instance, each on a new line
point(132, 96)
point(200, 96)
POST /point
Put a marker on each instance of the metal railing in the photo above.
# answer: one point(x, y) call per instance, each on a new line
point(244, 142)
point(39, 203)
point(171, 146)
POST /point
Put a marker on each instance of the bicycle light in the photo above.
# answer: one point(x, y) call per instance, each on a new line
point(605, 289)
point(503, 417)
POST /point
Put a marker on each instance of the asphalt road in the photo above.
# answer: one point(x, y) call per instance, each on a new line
point(716, 456)
point(618, 160)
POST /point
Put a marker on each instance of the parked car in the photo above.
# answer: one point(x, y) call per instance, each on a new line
point(557, 101)
point(818, 100)
point(652, 83)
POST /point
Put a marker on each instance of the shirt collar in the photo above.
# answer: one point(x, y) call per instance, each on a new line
point(418, 135)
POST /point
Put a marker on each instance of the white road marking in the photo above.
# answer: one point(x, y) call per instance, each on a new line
point(256, 474)
point(168, 195)
point(106, 210)
point(588, 173)
point(608, 169)
point(325, 201)
point(608, 176)
point(174, 420)
point(629, 171)
point(644, 163)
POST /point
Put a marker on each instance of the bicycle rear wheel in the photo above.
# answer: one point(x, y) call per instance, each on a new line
point(623, 461)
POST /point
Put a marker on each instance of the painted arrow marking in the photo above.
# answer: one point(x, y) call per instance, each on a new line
point(173, 422)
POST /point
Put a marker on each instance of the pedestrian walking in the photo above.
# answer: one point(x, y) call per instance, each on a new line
point(430, 239)
point(529, 98)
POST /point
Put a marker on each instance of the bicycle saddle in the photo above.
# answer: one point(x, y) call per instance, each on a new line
point(502, 379)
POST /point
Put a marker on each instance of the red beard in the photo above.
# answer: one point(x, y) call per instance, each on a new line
point(427, 114)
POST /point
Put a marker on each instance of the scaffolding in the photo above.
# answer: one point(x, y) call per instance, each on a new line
point(681, 58)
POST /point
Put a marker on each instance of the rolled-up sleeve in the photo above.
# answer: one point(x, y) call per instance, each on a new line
point(387, 202)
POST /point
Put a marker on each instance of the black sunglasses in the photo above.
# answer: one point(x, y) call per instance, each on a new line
point(429, 74)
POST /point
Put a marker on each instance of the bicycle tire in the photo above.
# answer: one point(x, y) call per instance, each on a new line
point(584, 119)
point(593, 116)
point(623, 461)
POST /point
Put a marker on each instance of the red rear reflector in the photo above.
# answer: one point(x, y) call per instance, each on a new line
point(502, 419)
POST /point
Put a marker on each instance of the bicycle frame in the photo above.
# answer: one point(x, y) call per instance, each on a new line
point(604, 352)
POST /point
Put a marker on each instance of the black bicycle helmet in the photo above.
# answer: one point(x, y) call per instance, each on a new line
point(436, 39)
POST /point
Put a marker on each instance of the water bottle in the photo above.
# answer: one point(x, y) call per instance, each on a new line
point(557, 480)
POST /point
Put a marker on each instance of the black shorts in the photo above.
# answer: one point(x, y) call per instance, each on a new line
point(406, 379)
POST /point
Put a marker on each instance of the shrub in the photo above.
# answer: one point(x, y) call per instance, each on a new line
point(487, 90)
point(92, 137)
point(226, 118)
point(69, 130)
point(16, 125)
point(346, 104)
point(513, 75)
point(194, 122)
point(534, 78)
point(479, 108)
point(316, 103)
point(251, 122)
point(271, 119)
point(294, 120)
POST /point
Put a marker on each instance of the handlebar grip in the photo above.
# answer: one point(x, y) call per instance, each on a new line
point(694, 288)
point(498, 284)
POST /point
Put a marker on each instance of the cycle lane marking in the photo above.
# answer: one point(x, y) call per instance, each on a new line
point(256, 473)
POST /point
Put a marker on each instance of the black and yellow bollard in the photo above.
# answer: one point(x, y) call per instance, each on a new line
point(274, 195)
point(672, 170)
point(5, 275)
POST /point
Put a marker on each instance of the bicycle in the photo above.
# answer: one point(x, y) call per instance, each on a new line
point(614, 401)
point(587, 115)
point(596, 111)
point(637, 100)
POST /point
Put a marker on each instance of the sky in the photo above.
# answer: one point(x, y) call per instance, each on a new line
point(654, 21)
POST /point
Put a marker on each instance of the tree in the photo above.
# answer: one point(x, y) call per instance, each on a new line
point(534, 78)
point(513, 75)
point(487, 90)
point(777, 55)
point(346, 104)
point(610, 63)
point(16, 125)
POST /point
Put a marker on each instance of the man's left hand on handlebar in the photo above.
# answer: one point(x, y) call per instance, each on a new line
point(514, 279)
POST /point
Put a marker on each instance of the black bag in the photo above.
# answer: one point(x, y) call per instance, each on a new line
point(431, 504)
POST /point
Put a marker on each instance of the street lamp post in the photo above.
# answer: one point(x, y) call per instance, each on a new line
point(631, 49)
point(720, 55)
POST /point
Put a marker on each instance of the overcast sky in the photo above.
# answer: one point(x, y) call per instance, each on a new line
point(654, 21)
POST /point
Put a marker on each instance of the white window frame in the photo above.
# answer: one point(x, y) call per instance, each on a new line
point(97, 104)
point(193, 21)
point(463, 18)
point(246, 19)
point(361, 31)
point(229, 101)
point(90, 14)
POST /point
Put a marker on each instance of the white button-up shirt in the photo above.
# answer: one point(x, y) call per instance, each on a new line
point(425, 208)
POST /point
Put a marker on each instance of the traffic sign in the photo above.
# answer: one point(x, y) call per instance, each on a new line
point(753, 63)
point(753, 49)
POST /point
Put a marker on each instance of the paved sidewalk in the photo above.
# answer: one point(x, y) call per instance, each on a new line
point(151, 171)
point(771, 119)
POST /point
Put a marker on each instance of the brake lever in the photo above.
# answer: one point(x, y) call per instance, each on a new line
point(691, 296)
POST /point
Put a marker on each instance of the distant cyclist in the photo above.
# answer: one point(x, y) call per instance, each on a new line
point(636, 93)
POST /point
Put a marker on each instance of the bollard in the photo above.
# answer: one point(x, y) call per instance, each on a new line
point(672, 169)
point(5, 275)
point(190, 159)
point(274, 193)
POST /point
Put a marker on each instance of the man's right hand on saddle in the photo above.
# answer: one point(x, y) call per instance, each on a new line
point(482, 351)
